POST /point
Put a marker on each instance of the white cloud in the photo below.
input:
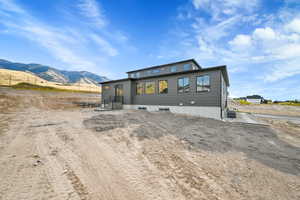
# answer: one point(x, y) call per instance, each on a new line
point(106, 46)
point(294, 26)
point(241, 41)
point(9, 5)
point(284, 70)
point(217, 8)
point(91, 9)
point(66, 44)
point(264, 34)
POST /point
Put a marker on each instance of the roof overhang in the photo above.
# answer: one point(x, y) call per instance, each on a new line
point(223, 69)
point(163, 65)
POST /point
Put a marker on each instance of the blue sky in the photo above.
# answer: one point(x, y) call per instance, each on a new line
point(258, 40)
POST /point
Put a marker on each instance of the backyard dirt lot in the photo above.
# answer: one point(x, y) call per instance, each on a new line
point(272, 109)
point(51, 149)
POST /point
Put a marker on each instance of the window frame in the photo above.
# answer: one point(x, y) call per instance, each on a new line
point(187, 64)
point(147, 82)
point(209, 84)
point(155, 71)
point(143, 88)
point(106, 87)
point(159, 87)
point(137, 74)
point(189, 88)
point(174, 67)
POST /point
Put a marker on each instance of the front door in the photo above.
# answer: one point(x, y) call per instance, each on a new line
point(119, 93)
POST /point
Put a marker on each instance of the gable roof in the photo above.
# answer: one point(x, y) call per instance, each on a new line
point(163, 65)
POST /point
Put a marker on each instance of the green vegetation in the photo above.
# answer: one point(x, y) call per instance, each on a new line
point(29, 86)
point(244, 102)
point(290, 103)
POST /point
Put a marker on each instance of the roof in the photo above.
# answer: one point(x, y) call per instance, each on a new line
point(174, 63)
point(254, 97)
point(117, 80)
point(223, 68)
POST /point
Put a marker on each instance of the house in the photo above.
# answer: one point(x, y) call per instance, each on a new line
point(255, 99)
point(180, 87)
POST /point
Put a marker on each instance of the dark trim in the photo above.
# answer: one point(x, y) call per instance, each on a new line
point(114, 81)
point(203, 91)
point(158, 87)
point(221, 96)
point(163, 65)
point(222, 67)
point(184, 92)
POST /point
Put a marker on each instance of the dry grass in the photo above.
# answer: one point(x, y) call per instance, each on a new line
point(273, 109)
point(12, 77)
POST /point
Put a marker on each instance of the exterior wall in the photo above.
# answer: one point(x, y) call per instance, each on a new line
point(127, 90)
point(200, 111)
point(163, 70)
point(173, 98)
point(255, 101)
point(224, 96)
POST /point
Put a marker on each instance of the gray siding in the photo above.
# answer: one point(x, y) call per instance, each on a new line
point(173, 98)
point(215, 97)
point(163, 70)
point(127, 89)
point(224, 93)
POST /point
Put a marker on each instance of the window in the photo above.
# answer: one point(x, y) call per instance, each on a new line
point(148, 72)
point(140, 88)
point(137, 75)
point(163, 87)
point(203, 83)
point(132, 75)
point(150, 88)
point(119, 90)
point(183, 85)
point(106, 87)
point(155, 71)
point(187, 67)
point(173, 68)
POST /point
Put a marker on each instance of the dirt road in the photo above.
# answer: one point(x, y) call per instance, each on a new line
point(73, 153)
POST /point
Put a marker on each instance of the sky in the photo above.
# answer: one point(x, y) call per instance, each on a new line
point(258, 40)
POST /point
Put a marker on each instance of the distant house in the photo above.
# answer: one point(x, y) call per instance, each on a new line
point(180, 87)
point(255, 99)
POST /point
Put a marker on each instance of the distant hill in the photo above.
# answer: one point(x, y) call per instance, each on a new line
point(19, 78)
point(53, 74)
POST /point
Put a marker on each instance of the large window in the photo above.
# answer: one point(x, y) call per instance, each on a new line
point(163, 87)
point(140, 88)
point(203, 83)
point(183, 85)
point(150, 87)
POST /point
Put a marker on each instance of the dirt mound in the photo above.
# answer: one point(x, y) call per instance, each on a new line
point(104, 122)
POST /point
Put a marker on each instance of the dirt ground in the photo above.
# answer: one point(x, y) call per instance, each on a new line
point(51, 149)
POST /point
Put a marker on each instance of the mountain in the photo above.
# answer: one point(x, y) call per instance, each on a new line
point(53, 74)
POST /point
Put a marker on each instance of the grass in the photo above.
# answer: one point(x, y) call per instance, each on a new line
point(289, 103)
point(12, 77)
point(29, 86)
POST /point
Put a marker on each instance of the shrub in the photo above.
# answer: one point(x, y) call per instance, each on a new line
point(244, 102)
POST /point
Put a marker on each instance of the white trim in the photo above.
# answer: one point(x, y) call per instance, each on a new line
point(201, 111)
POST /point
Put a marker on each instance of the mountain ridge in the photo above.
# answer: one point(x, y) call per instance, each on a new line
point(53, 74)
